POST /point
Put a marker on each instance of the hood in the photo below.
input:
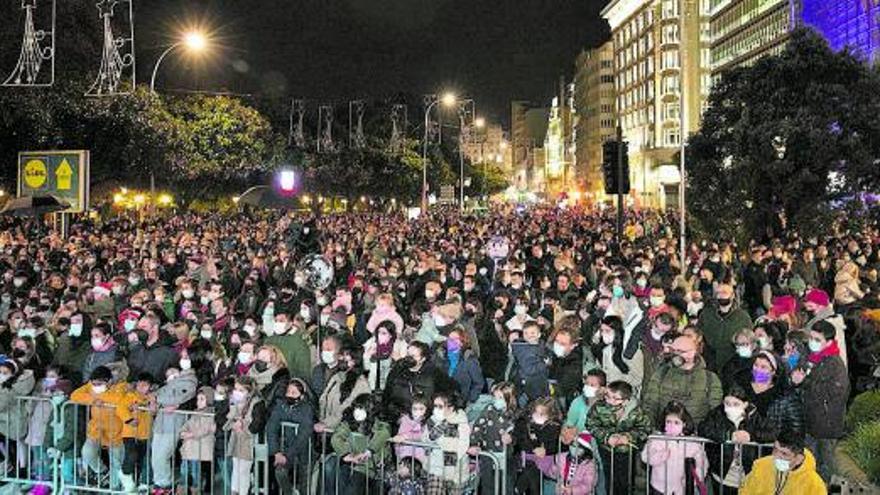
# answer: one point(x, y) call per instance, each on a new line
point(808, 466)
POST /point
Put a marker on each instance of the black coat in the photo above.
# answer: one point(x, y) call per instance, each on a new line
point(568, 373)
point(719, 429)
point(293, 442)
point(825, 392)
point(403, 384)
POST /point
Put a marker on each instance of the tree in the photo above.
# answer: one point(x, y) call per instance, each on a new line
point(783, 139)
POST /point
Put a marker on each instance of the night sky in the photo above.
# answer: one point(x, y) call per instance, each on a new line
point(332, 50)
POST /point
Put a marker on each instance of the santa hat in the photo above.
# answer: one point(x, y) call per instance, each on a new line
point(102, 290)
point(585, 440)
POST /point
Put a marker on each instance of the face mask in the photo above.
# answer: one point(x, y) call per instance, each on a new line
point(134, 280)
point(484, 271)
point(97, 343)
point(576, 451)
point(499, 403)
point(280, 327)
point(323, 301)
point(328, 358)
point(218, 397)
point(75, 329)
point(185, 364)
point(429, 294)
point(782, 465)
point(238, 396)
point(734, 413)
point(438, 415)
point(520, 309)
point(252, 329)
point(558, 349)
point(694, 308)
point(723, 303)
point(657, 301)
point(245, 358)
point(761, 376)
point(118, 290)
point(538, 419)
point(453, 345)
point(607, 338)
point(187, 293)
point(18, 282)
point(617, 292)
point(439, 321)
point(642, 283)
point(305, 313)
point(764, 342)
point(674, 429)
point(590, 392)
point(744, 351)
point(360, 415)
point(129, 325)
point(27, 332)
point(206, 334)
point(261, 366)
point(325, 318)
point(815, 346)
point(793, 360)
point(99, 389)
point(204, 300)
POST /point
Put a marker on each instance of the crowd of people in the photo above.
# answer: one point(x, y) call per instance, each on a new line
point(168, 351)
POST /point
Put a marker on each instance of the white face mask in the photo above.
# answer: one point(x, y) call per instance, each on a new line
point(280, 327)
point(765, 343)
point(185, 364)
point(734, 413)
point(438, 415)
point(305, 313)
point(76, 329)
point(814, 345)
point(251, 329)
point(245, 357)
point(439, 321)
point(558, 349)
point(97, 343)
point(744, 351)
point(328, 358)
point(520, 309)
point(590, 392)
point(187, 293)
point(360, 415)
point(782, 465)
point(206, 334)
point(99, 389)
point(27, 332)
point(607, 338)
point(129, 325)
point(657, 301)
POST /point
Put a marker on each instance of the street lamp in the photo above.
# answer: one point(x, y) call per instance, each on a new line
point(480, 122)
point(193, 41)
point(448, 99)
point(462, 113)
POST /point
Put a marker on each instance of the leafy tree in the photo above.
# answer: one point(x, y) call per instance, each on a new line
point(783, 139)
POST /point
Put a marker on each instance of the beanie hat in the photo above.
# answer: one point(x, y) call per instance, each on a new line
point(101, 373)
point(585, 440)
point(102, 290)
point(818, 297)
point(783, 305)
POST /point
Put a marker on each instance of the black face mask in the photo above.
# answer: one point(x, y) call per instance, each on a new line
point(293, 401)
point(724, 302)
point(408, 362)
point(261, 366)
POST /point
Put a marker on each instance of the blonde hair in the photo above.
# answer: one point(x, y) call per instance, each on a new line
point(277, 355)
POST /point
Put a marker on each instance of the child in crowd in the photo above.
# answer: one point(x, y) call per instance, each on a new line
point(361, 443)
point(676, 464)
point(492, 431)
point(197, 447)
point(137, 426)
point(104, 428)
point(40, 416)
point(537, 438)
point(575, 471)
point(247, 417)
point(411, 460)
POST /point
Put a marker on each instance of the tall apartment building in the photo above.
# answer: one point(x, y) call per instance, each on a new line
point(594, 101)
point(489, 145)
point(744, 31)
point(528, 130)
point(559, 143)
point(846, 23)
point(654, 65)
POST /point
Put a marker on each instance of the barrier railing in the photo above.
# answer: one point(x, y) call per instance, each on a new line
point(81, 449)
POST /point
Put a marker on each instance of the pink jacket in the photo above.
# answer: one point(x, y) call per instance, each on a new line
point(665, 459)
point(413, 431)
point(381, 314)
point(583, 482)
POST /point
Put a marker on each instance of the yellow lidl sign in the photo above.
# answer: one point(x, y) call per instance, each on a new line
point(63, 174)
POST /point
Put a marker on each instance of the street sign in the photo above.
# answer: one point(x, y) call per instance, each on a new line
point(447, 195)
point(63, 174)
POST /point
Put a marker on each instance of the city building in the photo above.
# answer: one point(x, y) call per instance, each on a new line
point(594, 102)
point(489, 146)
point(661, 51)
point(528, 130)
point(559, 143)
point(846, 23)
point(743, 31)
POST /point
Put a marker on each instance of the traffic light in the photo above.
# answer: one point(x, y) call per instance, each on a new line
point(610, 159)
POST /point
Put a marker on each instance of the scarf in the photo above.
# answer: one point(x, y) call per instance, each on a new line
point(243, 369)
point(263, 378)
point(454, 358)
point(831, 350)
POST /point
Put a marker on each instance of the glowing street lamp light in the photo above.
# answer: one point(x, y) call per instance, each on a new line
point(193, 41)
point(480, 122)
point(448, 100)
point(287, 181)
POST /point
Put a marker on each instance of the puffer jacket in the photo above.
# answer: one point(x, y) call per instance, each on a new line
point(719, 429)
point(787, 411)
point(175, 393)
point(453, 437)
point(13, 417)
point(581, 478)
point(96, 359)
point(292, 442)
point(137, 422)
point(467, 375)
point(412, 431)
point(846, 284)
point(825, 391)
point(489, 427)
point(252, 414)
point(801, 481)
point(104, 427)
point(698, 389)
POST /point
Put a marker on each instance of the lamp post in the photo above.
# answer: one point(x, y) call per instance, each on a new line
point(448, 100)
point(462, 114)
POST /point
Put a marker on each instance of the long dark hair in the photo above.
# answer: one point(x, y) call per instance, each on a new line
point(355, 372)
point(616, 325)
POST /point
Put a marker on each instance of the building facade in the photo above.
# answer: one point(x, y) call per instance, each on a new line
point(594, 102)
point(661, 65)
point(559, 143)
point(846, 23)
point(528, 130)
point(743, 31)
point(489, 146)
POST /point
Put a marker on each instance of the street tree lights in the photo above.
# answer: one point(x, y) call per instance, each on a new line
point(193, 41)
point(448, 100)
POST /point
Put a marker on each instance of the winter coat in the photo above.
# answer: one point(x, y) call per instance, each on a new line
point(39, 414)
point(635, 324)
point(252, 414)
point(272, 383)
point(61, 432)
point(666, 459)
point(828, 314)
point(718, 330)
point(578, 412)
point(528, 368)
point(846, 285)
point(104, 426)
point(568, 372)
point(376, 444)
point(155, 359)
point(403, 384)
point(379, 315)
point(528, 436)
point(825, 391)
point(413, 431)
point(786, 411)
point(137, 423)
point(331, 404)
point(698, 389)
point(603, 422)
point(717, 428)
point(737, 370)
point(96, 359)
point(72, 354)
point(802, 481)
point(489, 427)
point(293, 442)
point(378, 369)
point(175, 393)
point(13, 420)
point(582, 478)
point(634, 376)
point(453, 437)
point(201, 446)
point(468, 374)
point(295, 351)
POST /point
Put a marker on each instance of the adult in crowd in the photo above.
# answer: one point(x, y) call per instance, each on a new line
point(719, 322)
